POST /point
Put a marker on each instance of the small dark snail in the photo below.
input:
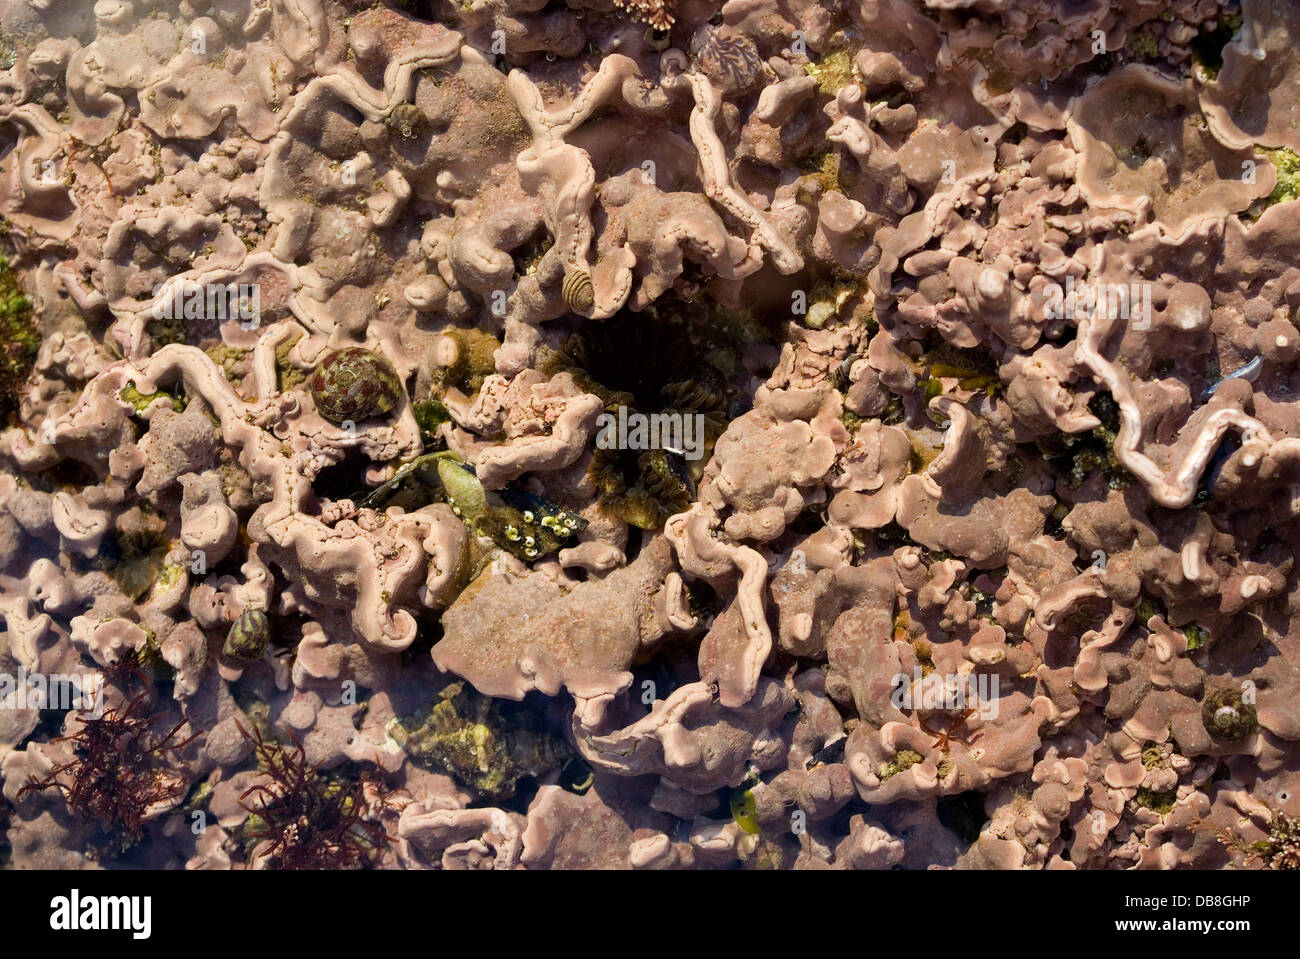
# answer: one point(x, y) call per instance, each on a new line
point(248, 638)
point(355, 384)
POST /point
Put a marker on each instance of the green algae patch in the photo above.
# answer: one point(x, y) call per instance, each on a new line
point(833, 71)
point(1287, 164)
point(19, 341)
point(430, 414)
point(287, 375)
point(477, 741)
point(744, 810)
point(903, 760)
point(141, 401)
point(1158, 802)
point(226, 357)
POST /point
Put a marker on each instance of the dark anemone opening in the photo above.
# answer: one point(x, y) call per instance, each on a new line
point(1067, 837)
point(643, 365)
point(1208, 47)
point(1015, 133)
point(67, 473)
point(133, 560)
point(1103, 62)
point(703, 599)
point(420, 9)
point(286, 629)
point(1228, 445)
point(49, 726)
point(1073, 456)
point(963, 814)
point(643, 488)
point(641, 360)
point(344, 479)
point(526, 255)
point(890, 537)
point(535, 714)
point(428, 633)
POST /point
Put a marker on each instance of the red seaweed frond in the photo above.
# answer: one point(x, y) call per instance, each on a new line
point(307, 820)
point(942, 737)
point(118, 773)
point(1280, 849)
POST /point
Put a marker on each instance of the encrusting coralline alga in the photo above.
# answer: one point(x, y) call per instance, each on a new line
point(987, 316)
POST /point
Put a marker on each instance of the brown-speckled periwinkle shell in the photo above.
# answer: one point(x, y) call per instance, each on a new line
point(249, 636)
point(355, 384)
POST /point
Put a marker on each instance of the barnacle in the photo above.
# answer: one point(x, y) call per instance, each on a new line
point(406, 120)
point(826, 300)
point(528, 526)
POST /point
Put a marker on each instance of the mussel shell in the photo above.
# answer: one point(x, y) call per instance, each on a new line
point(355, 384)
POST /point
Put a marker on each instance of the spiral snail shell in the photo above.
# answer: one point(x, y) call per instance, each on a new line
point(1227, 714)
point(249, 636)
point(577, 290)
point(355, 384)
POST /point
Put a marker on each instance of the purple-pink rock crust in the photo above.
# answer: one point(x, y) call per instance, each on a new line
point(988, 309)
